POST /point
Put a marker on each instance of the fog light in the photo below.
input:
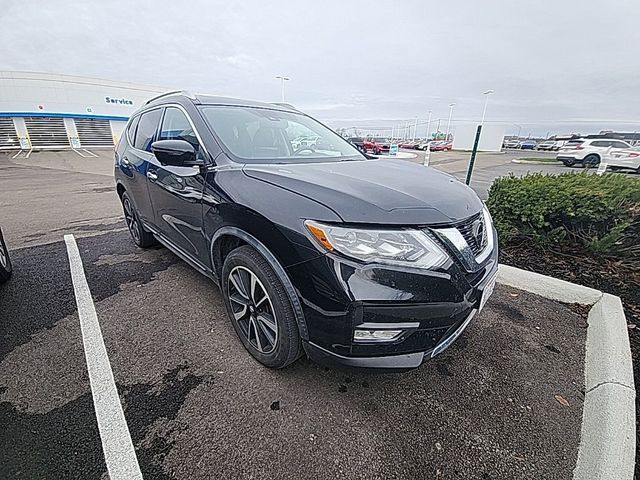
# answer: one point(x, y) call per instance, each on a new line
point(375, 335)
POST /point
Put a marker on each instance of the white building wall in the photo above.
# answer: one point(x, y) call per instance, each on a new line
point(28, 93)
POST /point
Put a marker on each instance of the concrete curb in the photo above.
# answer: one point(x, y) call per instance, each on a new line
point(533, 162)
point(401, 155)
point(548, 287)
point(608, 434)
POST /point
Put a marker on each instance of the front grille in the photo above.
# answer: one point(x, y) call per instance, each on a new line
point(474, 232)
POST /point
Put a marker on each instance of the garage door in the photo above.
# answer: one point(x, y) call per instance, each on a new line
point(94, 133)
point(46, 132)
point(8, 136)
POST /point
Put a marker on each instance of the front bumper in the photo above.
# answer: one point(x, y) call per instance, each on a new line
point(404, 361)
point(339, 297)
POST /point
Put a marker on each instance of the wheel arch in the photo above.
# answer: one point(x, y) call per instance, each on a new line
point(227, 238)
point(120, 189)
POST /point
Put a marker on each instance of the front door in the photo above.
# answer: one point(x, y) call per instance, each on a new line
point(135, 161)
point(176, 192)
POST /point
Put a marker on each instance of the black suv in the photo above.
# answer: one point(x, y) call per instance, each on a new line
point(360, 262)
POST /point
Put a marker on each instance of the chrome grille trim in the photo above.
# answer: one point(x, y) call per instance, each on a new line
point(472, 251)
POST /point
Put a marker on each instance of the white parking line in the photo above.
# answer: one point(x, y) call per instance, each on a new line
point(117, 446)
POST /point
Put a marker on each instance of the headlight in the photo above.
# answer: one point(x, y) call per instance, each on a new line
point(413, 248)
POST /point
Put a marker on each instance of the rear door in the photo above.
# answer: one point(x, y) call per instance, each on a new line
point(601, 144)
point(176, 192)
point(136, 161)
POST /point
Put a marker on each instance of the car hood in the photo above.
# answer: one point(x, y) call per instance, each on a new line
point(376, 191)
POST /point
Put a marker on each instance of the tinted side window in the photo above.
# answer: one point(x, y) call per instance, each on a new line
point(131, 131)
point(600, 143)
point(147, 129)
point(619, 145)
point(176, 126)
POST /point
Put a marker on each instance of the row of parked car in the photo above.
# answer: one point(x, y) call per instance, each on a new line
point(433, 145)
point(590, 152)
point(548, 145)
point(378, 145)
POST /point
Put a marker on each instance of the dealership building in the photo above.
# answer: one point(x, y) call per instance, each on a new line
point(47, 111)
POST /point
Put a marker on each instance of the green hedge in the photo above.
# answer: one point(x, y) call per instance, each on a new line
point(601, 213)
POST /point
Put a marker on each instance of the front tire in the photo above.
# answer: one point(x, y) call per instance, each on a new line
point(139, 235)
point(5, 261)
point(260, 309)
point(568, 162)
point(591, 161)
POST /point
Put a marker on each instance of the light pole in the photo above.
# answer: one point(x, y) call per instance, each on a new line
point(486, 101)
point(429, 126)
point(451, 105)
point(519, 129)
point(415, 129)
point(282, 79)
point(472, 160)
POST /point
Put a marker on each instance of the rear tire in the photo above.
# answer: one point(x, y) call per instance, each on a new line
point(590, 161)
point(139, 235)
point(5, 261)
point(260, 309)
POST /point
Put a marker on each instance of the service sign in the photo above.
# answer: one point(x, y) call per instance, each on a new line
point(393, 149)
point(119, 101)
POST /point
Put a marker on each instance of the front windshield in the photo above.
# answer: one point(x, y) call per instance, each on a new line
point(260, 135)
point(380, 140)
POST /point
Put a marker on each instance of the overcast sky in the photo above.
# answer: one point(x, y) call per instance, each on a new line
point(567, 65)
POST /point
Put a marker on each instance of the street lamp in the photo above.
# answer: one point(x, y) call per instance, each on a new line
point(429, 126)
point(282, 79)
point(519, 129)
point(451, 105)
point(486, 101)
point(472, 160)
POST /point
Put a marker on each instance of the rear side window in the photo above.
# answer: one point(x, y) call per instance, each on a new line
point(619, 145)
point(147, 130)
point(176, 126)
point(600, 143)
point(131, 131)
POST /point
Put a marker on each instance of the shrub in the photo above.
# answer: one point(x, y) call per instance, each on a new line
point(601, 213)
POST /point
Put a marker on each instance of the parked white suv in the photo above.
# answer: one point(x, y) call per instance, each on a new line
point(628, 158)
point(587, 151)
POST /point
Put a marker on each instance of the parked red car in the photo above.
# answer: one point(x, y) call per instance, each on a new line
point(377, 145)
point(440, 146)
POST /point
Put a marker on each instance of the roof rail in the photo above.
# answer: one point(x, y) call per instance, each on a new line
point(172, 92)
point(286, 105)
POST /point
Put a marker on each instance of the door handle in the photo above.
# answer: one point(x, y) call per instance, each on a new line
point(153, 176)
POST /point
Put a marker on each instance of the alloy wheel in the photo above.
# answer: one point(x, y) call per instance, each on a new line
point(130, 218)
point(252, 309)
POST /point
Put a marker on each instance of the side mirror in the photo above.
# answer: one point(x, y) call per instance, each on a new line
point(176, 153)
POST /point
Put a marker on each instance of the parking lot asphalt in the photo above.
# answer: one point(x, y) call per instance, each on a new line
point(198, 406)
point(488, 166)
